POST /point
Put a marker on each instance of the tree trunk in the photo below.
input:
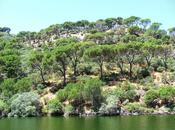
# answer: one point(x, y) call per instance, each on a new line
point(75, 72)
point(101, 71)
point(120, 65)
point(121, 69)
point(42, 75)
point(64, 78)
point(148, 62)
point(165, 64)
point(63, 71)
point(130, 70)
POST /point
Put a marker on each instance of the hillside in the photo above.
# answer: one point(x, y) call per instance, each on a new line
point(108, 67)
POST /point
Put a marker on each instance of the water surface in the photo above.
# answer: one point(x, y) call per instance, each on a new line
point(90, 123)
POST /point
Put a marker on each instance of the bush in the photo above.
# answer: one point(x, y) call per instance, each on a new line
point(92, 91)
point(130, 94)
point(134, 107)
point(142, 73)
point(68, 110)
point(87, 89)
point(89, 68)
point(75, 91)
point(160, 69)
point(137, 107)
point(171, 64)
point(62, 95)
point(156, 63)
point(23, 85)
point(168, 77)
point(118, 92)
point(150, 97)
point(121, 94)
point(25, 104)
point(7, 88)
point(147, 82)
point(3, 105)
point(110, 107)
point(167, 93)
point(40, 86)
point(125, 91)
point(54, 107)
point(3, 108)
point(70, 92)
point(126, 85)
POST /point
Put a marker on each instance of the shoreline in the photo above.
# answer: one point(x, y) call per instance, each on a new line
point(98, 115)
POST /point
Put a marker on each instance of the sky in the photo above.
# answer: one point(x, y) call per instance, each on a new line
point(34, 15)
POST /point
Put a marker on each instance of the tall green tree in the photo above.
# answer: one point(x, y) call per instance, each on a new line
point(135, 30)
point(132, 21)
point(10, 63)
point(99, 54)
point(76, 51)
point(118, 57)
point(145, 23)
point(61, 60)
point(39, 62)
point(149, 50)
point(132, 50)
point(165, 51)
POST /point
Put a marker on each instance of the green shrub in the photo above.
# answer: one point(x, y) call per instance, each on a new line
point(137, 107)
point(3, 105)
point(172, 77)
point(23, 85)
point(88, 89)
point(167, 92)
point(40, 86)
point(74, 91)
point(3, 108)
point(147, 82)
point(110, 107)
point(54, 107)
point(160, 69)
point(71, 91)
point(62, 95)
point(88, 68)
point(119, 93)
point(130, 94)
point(168, 77)
point(7, 88)
point(143, 73)
point(92, 91)
point(126, 85)
point(156, 63)
point(171, 64)
point(68, 110)
point(25, 104)
point(150, 96)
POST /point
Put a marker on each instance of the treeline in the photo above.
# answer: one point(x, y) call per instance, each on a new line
point(135, 26)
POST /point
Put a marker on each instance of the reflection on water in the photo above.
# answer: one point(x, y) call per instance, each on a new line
point(90, 123)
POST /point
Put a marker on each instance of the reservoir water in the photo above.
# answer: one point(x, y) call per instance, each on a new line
point(90, 123)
